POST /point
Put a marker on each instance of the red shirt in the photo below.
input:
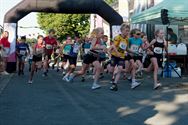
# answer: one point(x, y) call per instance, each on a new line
point(5, 42)
point(49, 43)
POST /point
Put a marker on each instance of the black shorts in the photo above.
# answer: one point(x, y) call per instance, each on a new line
point(55, 55)
point(135, 58)
point(72, 60)
point(89, 58)
point(65, 58)
point(49, 56)
point(21, 58)
point(116, 61)
point(37, 58)
point(159, 59)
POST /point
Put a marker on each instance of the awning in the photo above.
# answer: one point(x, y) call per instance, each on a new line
point(177, 13)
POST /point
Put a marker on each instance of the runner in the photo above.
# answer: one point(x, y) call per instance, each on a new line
point(86, 45)
point(38, 51)
point(22, 50)
point(56, 56)
point(135, 43)
point(93, 57)
point(159, 44)
point(65, 52)
point(50, 43)
point(5, 44)
point(73, 55)
point(119, 50)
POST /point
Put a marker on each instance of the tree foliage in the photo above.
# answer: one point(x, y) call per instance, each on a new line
point(64, 24)
point(110, 1)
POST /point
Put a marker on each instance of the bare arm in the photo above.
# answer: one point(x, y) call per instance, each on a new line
point(93, 45)
point(150, 44)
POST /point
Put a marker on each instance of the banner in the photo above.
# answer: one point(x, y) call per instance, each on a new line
point(115, 30)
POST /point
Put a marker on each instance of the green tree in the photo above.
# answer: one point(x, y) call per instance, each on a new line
point(64, 24)
point(110, 1)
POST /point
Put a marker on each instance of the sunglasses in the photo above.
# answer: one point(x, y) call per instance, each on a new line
point(138, 33)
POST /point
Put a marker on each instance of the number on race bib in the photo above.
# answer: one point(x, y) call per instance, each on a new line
point(22, 52)
point(48, 46)
point(134, 48)
point(158, 50)
point(76, 49)
point(122, 47)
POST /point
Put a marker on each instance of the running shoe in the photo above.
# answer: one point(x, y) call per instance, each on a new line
point(95, 86)
point(30, 82)
point(4, 73)
point(112, 81)
point(114, 87)
point(135, 84)
point(157, 86)
point(44, 74)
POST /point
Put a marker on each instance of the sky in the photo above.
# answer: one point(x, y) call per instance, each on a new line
point(28, 21)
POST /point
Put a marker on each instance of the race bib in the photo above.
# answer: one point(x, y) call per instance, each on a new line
point(86, 51)
point(48, 46)
point(67, 49)
point(158, 50)
point(134, 48)
point(122, 46)
point(31, 57)
point(39, 51)
point(57, 51)
point(22, 52)
point(75, 49)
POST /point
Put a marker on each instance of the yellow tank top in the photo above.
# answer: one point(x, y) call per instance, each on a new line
point(121, 45)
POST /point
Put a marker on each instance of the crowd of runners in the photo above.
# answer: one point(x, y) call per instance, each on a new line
point(125, 56)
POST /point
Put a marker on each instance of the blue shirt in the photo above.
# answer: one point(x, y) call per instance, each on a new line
point(22, 48)
point(135, 44)
point(67, 49)
point(75, 49)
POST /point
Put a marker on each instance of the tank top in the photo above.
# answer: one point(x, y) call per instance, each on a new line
point(158, 48)
point(38, 50)
point(98, 42)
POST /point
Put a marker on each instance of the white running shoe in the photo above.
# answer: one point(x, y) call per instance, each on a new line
point(4, 73)
point(135, 84)
point(157, 86)
point(30, 82)
point(64, 78)
point(70, 78)
point(95, 86)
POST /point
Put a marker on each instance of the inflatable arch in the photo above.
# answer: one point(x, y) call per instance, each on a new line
point(54, 6)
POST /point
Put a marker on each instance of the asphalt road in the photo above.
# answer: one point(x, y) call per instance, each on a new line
point(51, 101)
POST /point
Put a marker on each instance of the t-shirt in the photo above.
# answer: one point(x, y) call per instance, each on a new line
point(86, 47)
point(22, 48)
point(135, 44)
point(5, 42)
point(67, 49)
point(121, 45)
point(39, 50)
point(173, 38)
point(49, 44)
point(75, 49)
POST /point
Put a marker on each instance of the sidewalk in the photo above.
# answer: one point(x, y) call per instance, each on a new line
point(4, 80)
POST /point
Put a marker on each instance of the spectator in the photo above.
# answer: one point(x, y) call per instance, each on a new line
point(173, 37)
point(5, 44)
